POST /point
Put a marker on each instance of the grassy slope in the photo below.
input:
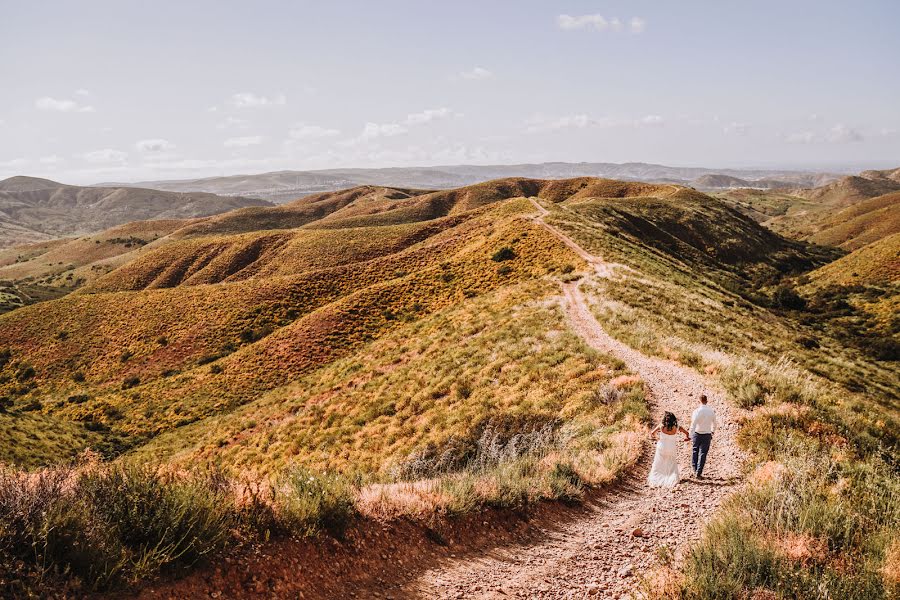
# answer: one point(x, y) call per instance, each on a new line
point(860, 224)
point(876, 263)
point(821, 511)
point(191, 351)
point(506, 355)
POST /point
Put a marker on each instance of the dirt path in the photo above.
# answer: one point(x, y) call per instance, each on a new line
point(603, 553)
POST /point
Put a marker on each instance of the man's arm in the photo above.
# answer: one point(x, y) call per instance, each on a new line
point(715, 421)
point(693, 422)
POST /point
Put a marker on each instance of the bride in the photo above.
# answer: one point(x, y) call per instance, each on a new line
point(664, 472)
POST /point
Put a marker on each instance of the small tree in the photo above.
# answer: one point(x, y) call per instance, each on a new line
point(786, 297)
point(504, 253)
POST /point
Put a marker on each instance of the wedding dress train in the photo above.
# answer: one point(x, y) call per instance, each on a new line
point(664, 472)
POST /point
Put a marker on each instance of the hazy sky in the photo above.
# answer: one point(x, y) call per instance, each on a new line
point(126, 90)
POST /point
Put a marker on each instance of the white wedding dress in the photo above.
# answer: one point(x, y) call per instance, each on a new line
point(664, 472)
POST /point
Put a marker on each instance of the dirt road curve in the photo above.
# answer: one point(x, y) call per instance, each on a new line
point(604, 553)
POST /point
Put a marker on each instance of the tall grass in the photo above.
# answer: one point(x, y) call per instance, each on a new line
point(98, 526)
point(101, 526)
point(811, 528)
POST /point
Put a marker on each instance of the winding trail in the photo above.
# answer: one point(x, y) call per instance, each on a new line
point(603, 552)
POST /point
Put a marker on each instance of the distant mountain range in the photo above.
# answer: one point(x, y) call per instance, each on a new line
point(284, 186)
point(34, 210)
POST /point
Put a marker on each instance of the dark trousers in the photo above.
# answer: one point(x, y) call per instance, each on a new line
point(699, 451)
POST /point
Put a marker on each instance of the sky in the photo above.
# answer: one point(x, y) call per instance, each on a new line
point(121, 90)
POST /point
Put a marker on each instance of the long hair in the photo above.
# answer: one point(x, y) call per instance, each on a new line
point(670, 421)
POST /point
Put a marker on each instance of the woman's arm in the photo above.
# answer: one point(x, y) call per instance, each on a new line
point(654, 433)
point(687, 437)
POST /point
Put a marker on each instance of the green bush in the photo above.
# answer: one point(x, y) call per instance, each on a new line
point(160, 520)
point(308, 502)
point(504, 253)
point(785, 297)
point(24, 372)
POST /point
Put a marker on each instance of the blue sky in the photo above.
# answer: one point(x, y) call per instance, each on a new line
point(119, 90)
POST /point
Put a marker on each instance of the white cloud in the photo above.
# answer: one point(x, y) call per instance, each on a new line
point(15, 163)
point(569, 22)
point(82, 92)
point(50, 160)
point(233, 123)
point(67, 106)
point(544, 124)
point(650, 121)
point(377, 130)
point(476, 74)
point(736, 128)
point(304, 131)
point(243, 142)
point(883, 132)
point(374, 130)
point(251, 100)
point(599, 23)
point(154, 145)
point(106, 155)
point(428, 115)
point(839, 134)
point(801, 137)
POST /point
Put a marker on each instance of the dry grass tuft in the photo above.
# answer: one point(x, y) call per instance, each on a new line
point(801, 548)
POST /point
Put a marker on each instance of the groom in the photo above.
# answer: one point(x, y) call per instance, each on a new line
point(703, 423)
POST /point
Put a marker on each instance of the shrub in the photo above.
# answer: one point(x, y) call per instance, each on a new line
point(308, 502)
point(78, 377)
point(743, 386)
point(785, 297)
point(5, 403)
point(159, 520)
point(884, 348)
point(130, 382)
point(48, 526)
point(5, 356)
point(248, 336)
point(32, 405)
point(126, 354)
point(24, 372)
point(504, 253)
point(807, 342)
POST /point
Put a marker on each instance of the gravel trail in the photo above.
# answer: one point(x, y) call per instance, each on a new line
point(603, 552)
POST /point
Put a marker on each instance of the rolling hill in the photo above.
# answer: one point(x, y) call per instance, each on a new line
point(835, 214)
point(353, 357)
point(284, 186)
point(268, 295)
point(33, 209)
